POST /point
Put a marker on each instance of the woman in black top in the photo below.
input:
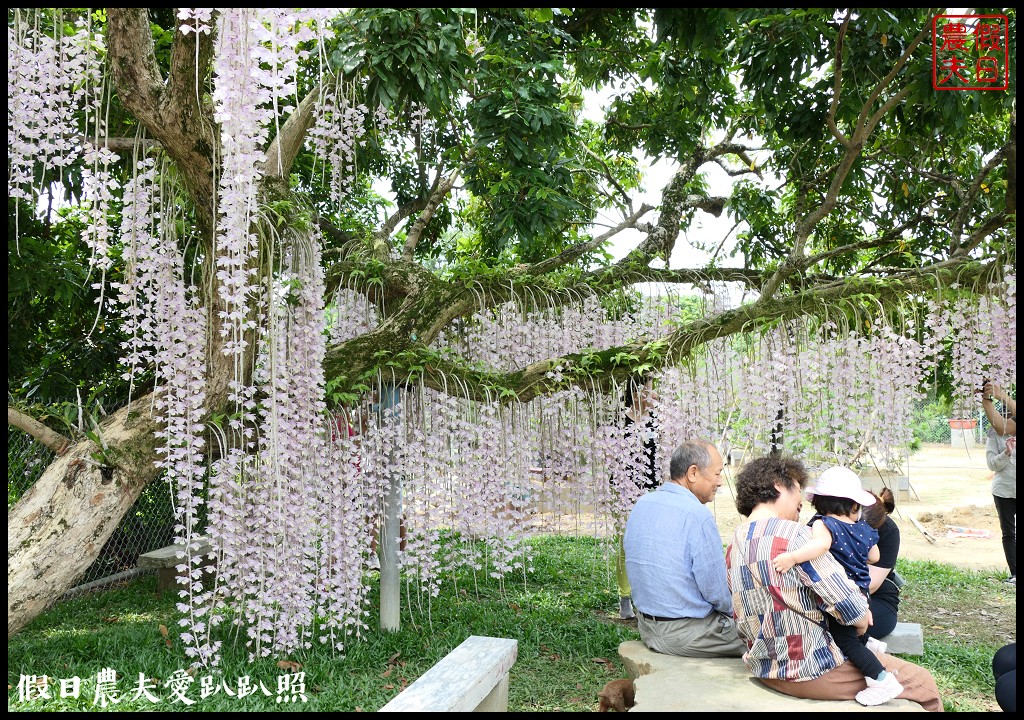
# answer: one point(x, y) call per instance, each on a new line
point(885, 583)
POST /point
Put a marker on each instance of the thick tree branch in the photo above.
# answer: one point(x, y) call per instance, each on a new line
point(172, 116)
point(287, 144)
point(662, 238)
point(388, 281)
point(687, 276)
point(132, 58)
point(528, 290)
point(423, 305)
point(50, 438)
point(383, 235)
point(828, 204)
point(79, 499)
point(600, 370)
point(399, 345)
point(191, 57)
point(837, 85)
point(574, 253)
point(438, 193)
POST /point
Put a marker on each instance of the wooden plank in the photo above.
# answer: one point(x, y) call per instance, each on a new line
point(464, 680)
point(919, 526)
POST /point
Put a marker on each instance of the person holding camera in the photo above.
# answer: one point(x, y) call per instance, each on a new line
point(1001, 456)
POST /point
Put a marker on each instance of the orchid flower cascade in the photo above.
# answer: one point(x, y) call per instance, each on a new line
point(292, 500)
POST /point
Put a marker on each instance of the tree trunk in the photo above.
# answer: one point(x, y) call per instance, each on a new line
point(57, 529)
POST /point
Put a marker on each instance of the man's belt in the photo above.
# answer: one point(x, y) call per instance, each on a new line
point(658, 619)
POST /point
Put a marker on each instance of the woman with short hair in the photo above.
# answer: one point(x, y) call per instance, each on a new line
point(781, 616)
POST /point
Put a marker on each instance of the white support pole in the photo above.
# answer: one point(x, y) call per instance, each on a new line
point(390, 527)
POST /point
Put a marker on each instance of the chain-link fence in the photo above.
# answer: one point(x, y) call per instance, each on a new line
point(937, 422)
point(148, 525)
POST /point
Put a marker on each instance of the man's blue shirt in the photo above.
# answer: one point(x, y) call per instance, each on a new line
point(674, 556)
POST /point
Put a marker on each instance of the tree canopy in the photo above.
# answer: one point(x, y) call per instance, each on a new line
point(289, 208)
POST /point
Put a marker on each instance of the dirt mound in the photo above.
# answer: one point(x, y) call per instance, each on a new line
point(977, 517)
point(969, 523)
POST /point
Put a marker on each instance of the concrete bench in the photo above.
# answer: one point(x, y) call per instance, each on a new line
point(905, 639)
point(667, 683)
point(166, 559)
point(472, 677)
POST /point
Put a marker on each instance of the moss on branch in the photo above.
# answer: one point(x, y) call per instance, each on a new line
point(399, 358)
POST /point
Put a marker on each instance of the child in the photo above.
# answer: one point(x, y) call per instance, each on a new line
point(837, 527)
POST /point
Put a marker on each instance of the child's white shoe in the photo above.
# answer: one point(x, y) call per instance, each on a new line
point(881, 691)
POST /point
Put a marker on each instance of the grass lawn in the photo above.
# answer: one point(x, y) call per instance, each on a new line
point(564, 617)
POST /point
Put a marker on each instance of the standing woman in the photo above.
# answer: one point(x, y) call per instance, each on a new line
point(1001, 455)
point(637, 421)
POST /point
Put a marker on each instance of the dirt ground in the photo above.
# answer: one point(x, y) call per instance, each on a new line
point(948, 487)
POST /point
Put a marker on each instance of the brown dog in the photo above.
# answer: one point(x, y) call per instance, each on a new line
point(618, 695)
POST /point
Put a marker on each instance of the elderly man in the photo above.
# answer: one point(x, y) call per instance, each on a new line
point(676, 564)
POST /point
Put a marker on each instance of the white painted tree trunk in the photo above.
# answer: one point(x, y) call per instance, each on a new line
point(390, 532)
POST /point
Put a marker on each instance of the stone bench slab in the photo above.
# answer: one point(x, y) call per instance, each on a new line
point(167, 557)
point(667, 683)
point(905, 639)
point(472, 677)
point(165, 561)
